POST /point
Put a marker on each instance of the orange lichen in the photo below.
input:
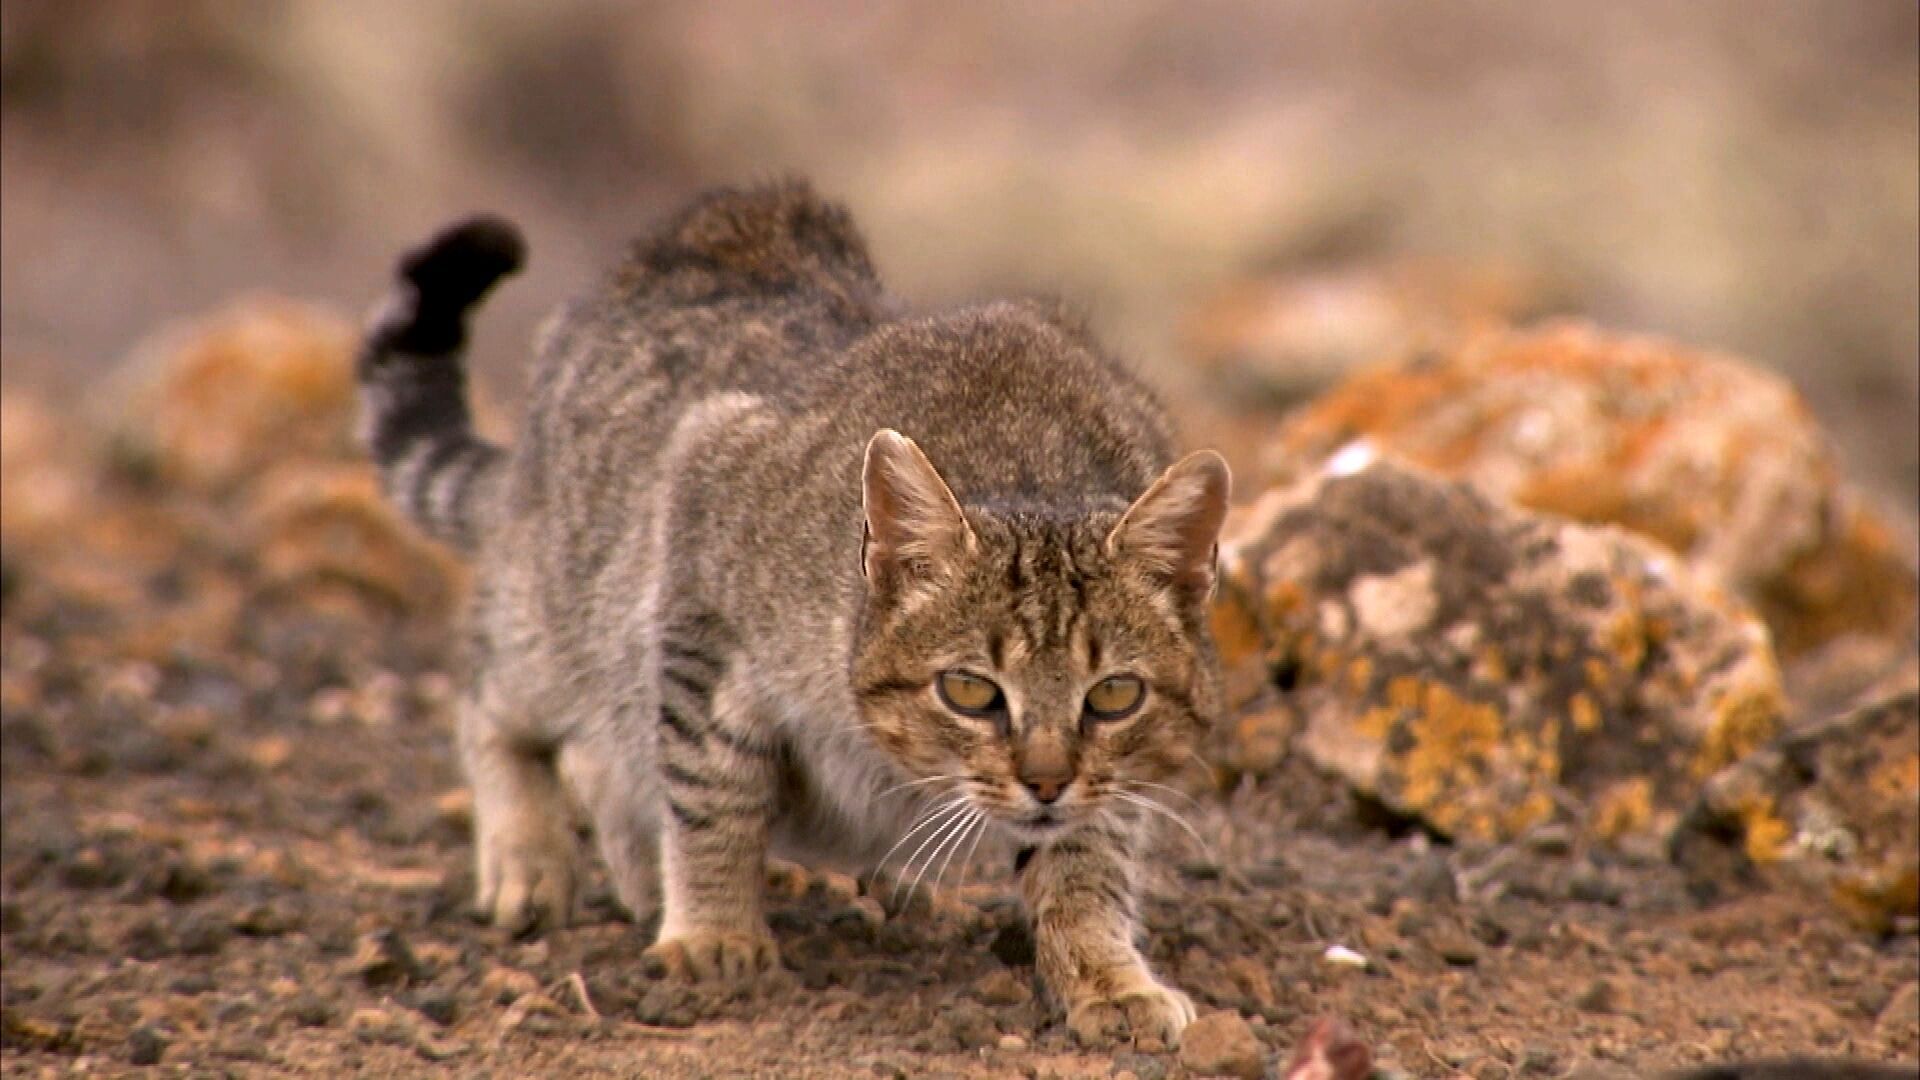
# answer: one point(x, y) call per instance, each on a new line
point(1622, 808)
point(1743, 719)
point(1584, 713)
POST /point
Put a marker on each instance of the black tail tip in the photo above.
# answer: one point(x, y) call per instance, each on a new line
point(462, 261)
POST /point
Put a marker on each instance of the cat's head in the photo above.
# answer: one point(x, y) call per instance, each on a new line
point(1050, 662)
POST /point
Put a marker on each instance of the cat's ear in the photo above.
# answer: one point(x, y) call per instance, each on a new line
point(913, 521)
point(1174, 529)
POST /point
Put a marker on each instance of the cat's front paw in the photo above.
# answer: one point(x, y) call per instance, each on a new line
point(1150, 1014)
point(706, 956)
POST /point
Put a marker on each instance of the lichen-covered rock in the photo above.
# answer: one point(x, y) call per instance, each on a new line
point(1714, 458)
point(1484, 668)
point(1834, 806)
point(211, 403)
point(325, 534)
point(233, 483)
point(1287, 335)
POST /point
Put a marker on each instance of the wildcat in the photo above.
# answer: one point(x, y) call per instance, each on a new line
point(774, 565)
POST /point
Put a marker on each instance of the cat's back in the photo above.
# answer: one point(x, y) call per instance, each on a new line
point(748, 289)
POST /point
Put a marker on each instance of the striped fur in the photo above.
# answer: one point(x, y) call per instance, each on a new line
point(413, 401)
point(753, 513)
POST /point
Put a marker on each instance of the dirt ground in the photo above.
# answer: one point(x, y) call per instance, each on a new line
point(256, 863)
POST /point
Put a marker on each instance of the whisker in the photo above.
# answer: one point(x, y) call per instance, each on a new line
point(966, 861)
point(1174, 791)
point(973, 822)
point(922, 822)
point(945, 832)
point(1148, 804)
point(918, 783)
point(955, 831)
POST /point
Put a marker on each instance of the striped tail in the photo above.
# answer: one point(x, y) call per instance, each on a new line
point(413, 396)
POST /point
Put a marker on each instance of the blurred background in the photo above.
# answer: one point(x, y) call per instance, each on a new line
point(1278, 184)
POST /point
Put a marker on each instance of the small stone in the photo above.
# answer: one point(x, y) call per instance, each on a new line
point(1221, 1044)
point(439, 1006)
point(375, 1025)
point(382, 958)
point(146, 1046)
point(1901, 1014)
point(867, 911)
point(311, 1010)
point(837, 887)
point(1012, 1044)
point(1599, 996)
point(1342, 957)
point(504, 986)
point(972, 1026)
point(1454, 947)
point(270, 753)
point(1002, 987)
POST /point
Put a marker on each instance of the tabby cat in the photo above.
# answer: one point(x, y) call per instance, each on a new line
point(774, 565)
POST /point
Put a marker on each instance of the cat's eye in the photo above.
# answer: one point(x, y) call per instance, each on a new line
point(1115, 697)
point(969, 694)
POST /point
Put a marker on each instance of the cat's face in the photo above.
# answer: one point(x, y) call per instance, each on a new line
point(1049, 663)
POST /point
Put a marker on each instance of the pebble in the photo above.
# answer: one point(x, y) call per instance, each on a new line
point(146, 1046)
point(382, 958)
point(1901, 1014)
point(504, 986)
point(1599, 996)
point(311, 1010)
point(1454, 947)
point(1221, 1044)
point(1342, 957)
point(437, 1005)
point(1012, 1044)
point(1002, 987)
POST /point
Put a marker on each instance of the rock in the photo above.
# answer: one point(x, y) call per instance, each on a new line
point(1716, 459)
point(1454, 946)
point(1002, 987)
point(1900, 1019)
point(504, 986)
point(1288, 335)
point(146, 1046)
point(382, 958)
point(1598, 996)
point(1331, 1051)
point(1221, 1044)
point(209, 403)
point(1833, 806)
point(970, 1025)
point(326, 537)
point(1485, 669)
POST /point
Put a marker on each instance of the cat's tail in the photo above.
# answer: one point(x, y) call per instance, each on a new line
point(413, 396)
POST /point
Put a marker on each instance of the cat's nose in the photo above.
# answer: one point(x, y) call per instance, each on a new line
point(1045, 767)
point(1046, 790)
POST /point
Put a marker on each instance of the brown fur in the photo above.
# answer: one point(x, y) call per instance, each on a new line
point(719, 585)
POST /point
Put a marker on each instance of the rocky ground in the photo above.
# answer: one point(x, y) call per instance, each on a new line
point(236, 841)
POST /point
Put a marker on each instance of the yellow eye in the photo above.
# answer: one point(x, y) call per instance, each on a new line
point(1115, 696)
point(969, 694)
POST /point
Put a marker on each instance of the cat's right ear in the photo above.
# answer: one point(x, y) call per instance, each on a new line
point(913, 523)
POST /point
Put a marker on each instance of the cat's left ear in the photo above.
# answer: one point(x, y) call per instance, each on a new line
point(1175, 527)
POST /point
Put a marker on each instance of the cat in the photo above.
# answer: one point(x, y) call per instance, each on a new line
point(774, 564)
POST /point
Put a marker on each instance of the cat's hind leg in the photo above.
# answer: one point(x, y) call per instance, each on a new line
point(611, 783)
point(523, 829)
